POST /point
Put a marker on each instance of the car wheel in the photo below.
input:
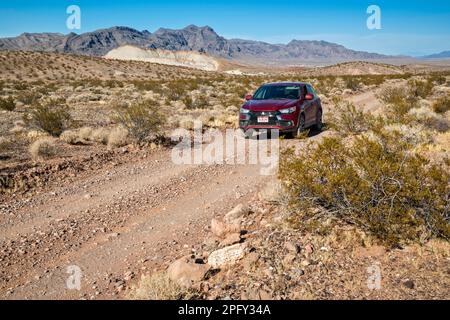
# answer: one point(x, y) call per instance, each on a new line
point(301, 125)
point(319, 121)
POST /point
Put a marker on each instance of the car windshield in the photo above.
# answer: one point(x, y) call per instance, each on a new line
point(277, 93)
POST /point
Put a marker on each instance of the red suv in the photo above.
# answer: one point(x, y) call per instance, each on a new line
point(290, 107)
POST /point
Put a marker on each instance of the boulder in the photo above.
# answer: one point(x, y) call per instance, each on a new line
point(220, 228)
point(231, 239)
point(235, 215)
point(292, 247)
point(250, 260)
point(187, 273)
point(226, 256)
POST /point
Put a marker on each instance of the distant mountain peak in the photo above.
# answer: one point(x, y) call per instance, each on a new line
point(191, 38)
point(440, 55)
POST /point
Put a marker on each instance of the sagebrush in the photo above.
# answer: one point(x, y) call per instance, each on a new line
point(375, 183)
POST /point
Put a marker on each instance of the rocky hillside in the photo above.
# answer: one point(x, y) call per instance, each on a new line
point(191, 38)
point(175, 58)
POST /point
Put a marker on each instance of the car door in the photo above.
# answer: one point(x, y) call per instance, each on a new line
point(310, 107)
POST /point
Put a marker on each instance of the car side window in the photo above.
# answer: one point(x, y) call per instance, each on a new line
point(303, 91)
point(311, 90)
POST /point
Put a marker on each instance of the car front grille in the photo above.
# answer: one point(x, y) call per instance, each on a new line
point(272, 118)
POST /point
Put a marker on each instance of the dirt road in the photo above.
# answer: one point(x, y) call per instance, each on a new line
point(116, 223)
point(113, 224)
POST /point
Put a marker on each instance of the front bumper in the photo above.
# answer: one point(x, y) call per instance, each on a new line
point(277, 121)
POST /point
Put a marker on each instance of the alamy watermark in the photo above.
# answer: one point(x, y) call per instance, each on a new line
point(374, 276)
point(73, 282)
point(73, 22)
point(374, 20)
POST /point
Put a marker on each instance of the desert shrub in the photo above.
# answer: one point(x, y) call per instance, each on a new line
point(376, 80)
point(29, 97)
point(175, 91)
point(158, 286)
point(346, 119)
point(186, 122)
point(149, 85)
point(188, 102)
point(20, 86)
point(442, 105)
point(376, 184)
point(437, 79)
point(419, 89)
point(53, 120)
point(411, 134)
point(7, 104)
point(70, 137)
point(392, 95)
point(352, 83)
point(42, 148)
point(5, 144)
point(142, 119)
point(200, 102)
point(118, 137)
point(100, 135)
point(427, 117)
point(398, 103)
point(437, 123)
point(85, 133)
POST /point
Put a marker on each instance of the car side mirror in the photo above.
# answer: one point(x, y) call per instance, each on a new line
point(309, 97)
point(248, 97)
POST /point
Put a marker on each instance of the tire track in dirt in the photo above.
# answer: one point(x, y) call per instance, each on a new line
point(138, 215)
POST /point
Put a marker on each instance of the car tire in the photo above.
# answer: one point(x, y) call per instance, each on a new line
point(301, 126)
point(319, 121)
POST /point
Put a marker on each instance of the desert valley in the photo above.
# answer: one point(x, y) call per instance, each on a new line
point(86, 177)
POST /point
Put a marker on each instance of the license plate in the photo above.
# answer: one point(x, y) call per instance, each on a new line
point(263, 119)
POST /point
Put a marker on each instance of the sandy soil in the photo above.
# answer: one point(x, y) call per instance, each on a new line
point(113, 224)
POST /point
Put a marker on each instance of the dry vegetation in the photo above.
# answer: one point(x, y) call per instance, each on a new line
point(378, 177)
point(373, 190)
point(374, 174)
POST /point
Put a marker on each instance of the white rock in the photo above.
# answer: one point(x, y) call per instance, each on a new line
point(226, 256)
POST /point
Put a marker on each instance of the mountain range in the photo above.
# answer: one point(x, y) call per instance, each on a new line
point(441, 55)
point(191, 38)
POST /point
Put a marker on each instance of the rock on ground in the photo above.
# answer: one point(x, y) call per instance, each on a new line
point(186, 273)
point(227, 256)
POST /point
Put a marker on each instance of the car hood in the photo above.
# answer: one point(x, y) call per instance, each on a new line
point(269, 105)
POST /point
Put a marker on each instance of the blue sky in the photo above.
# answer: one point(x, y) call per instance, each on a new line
point(408, 27)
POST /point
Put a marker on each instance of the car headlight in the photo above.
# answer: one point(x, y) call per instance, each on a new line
point(288, 110)
point(244, 110)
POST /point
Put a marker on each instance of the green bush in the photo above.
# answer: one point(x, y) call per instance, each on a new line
point(141, 120)
point(50, 118)
point(7, 104)
point(377, 184)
